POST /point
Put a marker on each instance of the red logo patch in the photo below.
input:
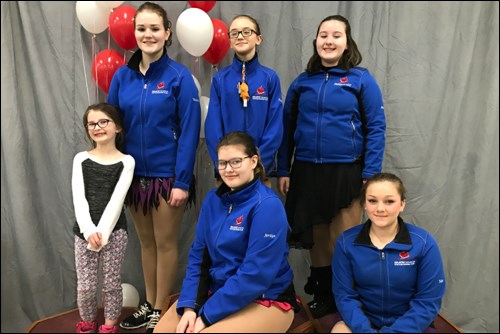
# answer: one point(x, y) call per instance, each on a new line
point(344, 80)
point(161, 85)
point(404, 255)
point(260, 90)
point(239, 220)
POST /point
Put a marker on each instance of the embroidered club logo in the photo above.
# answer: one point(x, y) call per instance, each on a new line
point(344, 80)
point(237, 226)
point(404, 255)
point(260, 90)
point(161, 85)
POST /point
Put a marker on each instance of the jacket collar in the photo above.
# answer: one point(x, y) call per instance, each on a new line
point(237, 196)
point(250, 65)
point(136, 58)
point(402, 237)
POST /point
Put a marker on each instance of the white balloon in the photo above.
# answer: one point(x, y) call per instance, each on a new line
point(197, 83)
point(204, 109)
point(195, 31)
point(130, 295)
point(91, 17)
point(108, 5)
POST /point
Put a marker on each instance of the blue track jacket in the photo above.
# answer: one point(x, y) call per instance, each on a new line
point(263, 116)
point(334, 117)
point(239, 252)
point(162, 117)
point(396, 289)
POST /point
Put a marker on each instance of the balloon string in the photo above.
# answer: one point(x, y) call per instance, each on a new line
point(84, 70)
point(196, 62)
point(96, 83)
point(109, 36)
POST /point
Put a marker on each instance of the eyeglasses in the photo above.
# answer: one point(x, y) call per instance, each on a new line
point(102, 124)
point(234, 163)
point(246, 32)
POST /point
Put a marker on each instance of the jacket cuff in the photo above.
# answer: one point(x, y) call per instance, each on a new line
point(205, 320)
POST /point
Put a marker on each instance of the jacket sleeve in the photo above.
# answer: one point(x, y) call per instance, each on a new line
point(346, 297)
point(273, 133)
point(287, 147)
point(80, 203)
point(266, 250)
point(115, 205)
point(189, 112)
point(196, 273)
point(375, 125)
point(431, 285)
point(213, 123)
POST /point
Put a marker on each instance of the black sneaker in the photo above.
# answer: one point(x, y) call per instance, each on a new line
point(139, 319)
point(153, 321)
point(322, 307)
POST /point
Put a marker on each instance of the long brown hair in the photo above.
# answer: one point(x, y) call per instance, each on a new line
point(351, 56)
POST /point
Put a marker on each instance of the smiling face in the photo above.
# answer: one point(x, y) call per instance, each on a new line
point(101, 128)
point(331, 42)
point(244, 47)
point(236, 177)
point(150, 33)
point(383, 203)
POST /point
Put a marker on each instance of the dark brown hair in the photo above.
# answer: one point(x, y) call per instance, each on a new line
point(157, 9)
point(381, 177)
point(244, 139)
point(351, 56)
point(116, 116)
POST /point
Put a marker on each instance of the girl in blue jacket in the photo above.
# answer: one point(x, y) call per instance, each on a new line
point(387, 275)
point(161, 110)
point(246, 96)
point(238, 278)
point(335, 134)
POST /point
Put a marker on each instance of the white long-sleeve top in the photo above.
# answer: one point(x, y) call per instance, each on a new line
point(99, 191)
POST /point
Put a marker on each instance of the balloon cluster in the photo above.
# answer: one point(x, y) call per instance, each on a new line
point(200, 35)
point(95, 17)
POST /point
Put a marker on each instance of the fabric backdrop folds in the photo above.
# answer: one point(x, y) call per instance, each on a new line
point(436, 62)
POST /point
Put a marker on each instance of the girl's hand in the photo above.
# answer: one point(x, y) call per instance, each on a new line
point(199, 325)
point(95, 240)
point(283, 185)
point(178, 197)
point(186, 324)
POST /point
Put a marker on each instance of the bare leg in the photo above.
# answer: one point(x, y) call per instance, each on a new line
point(341, 327)
point(145, 232)
point(254, 318)
point(167, 220)
point(347, 218)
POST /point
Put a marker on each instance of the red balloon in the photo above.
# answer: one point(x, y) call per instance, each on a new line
point(121, 26)
point(220, 43)
point(104, 67)
point(203, 5)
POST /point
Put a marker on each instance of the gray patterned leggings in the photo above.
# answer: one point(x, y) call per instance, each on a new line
point(87, 270)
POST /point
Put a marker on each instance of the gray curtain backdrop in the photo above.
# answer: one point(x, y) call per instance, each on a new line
point(436, 62)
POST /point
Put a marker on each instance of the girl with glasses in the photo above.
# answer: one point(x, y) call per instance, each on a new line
point(161, 108)
point(101, 178)
point(238, 278)
point(246, 96)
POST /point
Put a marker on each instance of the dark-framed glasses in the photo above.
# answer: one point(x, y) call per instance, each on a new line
point(102, 124)
point(234, 163)
point(246, 32)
